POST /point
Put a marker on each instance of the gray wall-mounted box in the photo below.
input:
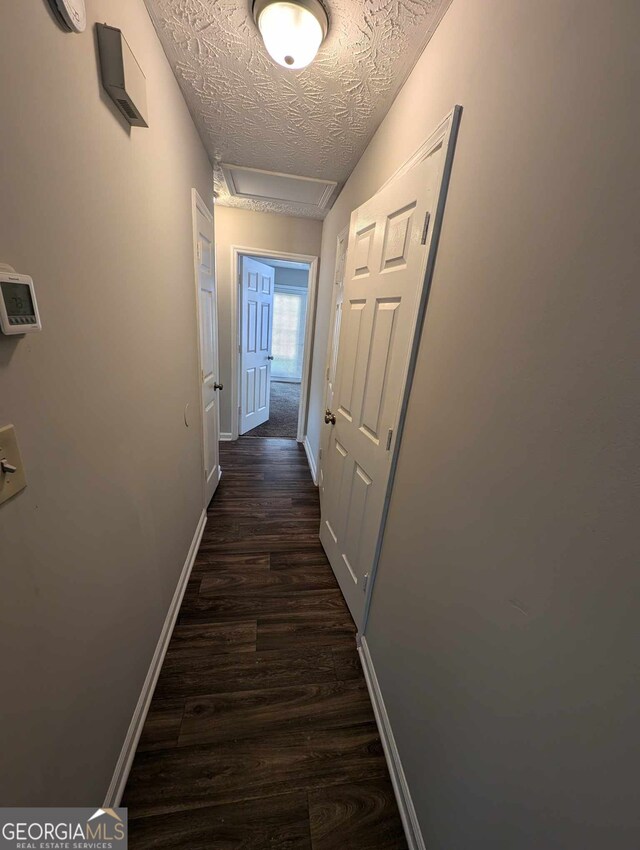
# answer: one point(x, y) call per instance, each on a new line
point(122, 77)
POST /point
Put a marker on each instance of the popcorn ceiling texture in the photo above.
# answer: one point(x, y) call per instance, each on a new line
point(315, 122)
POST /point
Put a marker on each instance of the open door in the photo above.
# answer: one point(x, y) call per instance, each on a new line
point(208, 320)
point(256, 318)
point(391, 251)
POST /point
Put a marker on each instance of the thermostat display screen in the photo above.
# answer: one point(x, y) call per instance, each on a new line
point(17, 299)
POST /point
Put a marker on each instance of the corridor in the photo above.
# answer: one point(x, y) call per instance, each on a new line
point(319, 415)
point(261, 732)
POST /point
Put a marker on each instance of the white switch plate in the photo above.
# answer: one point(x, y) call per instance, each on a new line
point(14, 482)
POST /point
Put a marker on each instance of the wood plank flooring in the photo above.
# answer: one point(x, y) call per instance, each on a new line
point(261, 734)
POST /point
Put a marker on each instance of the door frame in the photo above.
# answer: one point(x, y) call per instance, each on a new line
point(198, 204)
point(445, 134)
point(237, 252)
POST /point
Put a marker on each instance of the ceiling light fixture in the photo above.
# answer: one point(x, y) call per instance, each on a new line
point(292, 30)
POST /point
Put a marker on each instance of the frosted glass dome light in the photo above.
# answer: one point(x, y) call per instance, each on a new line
point(292, 30)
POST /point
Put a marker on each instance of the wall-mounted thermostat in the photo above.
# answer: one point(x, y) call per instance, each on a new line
point(18, 306)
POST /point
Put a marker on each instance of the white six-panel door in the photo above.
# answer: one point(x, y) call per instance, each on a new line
point(257, 283)
point(389, 242)
point(205, 265)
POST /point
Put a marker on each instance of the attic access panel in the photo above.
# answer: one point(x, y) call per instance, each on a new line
point(256, 184)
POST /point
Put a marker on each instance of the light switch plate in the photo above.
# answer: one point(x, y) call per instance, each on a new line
point(13, 482)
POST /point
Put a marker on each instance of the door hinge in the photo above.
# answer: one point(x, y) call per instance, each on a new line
point(320, 455)
point(389, 438)
point(365, 582)
point(425, 229)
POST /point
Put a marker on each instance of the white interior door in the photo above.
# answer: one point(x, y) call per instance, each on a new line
point(386, 268)
point(208, 317)
point(332, 349)
point(256, 318)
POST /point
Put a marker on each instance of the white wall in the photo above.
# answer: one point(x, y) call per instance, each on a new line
point(504, 627)
point(91, 551)
point(257, 231)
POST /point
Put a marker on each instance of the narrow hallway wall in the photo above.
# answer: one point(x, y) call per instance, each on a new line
point(90, 553)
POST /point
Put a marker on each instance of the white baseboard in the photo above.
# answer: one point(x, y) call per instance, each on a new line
point(398, 779)
point(123, 766)
point(311, 460)
point(226, 437)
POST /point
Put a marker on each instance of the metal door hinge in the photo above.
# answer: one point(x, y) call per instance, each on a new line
point(365, 582)
point(425, 229)
point(389, 438)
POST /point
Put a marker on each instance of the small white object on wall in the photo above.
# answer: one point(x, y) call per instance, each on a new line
point(71, 13)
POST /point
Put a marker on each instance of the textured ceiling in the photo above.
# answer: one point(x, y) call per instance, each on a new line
point(315, 122)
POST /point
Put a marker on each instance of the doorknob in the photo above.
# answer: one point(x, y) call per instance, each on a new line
point(329, 418)
point(217, 386)
point(270, 357)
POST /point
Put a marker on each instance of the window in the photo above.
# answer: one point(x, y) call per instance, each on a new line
point(289, 311)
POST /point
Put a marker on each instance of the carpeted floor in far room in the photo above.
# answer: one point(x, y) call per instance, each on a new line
point(283, 412)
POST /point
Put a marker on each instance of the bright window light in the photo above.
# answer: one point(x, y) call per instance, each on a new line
point(289, 310)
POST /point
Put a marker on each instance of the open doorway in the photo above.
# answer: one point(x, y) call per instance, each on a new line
point(291, 282)
point(276, 298)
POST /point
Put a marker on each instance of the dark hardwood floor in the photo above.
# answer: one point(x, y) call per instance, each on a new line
point(261, 734)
